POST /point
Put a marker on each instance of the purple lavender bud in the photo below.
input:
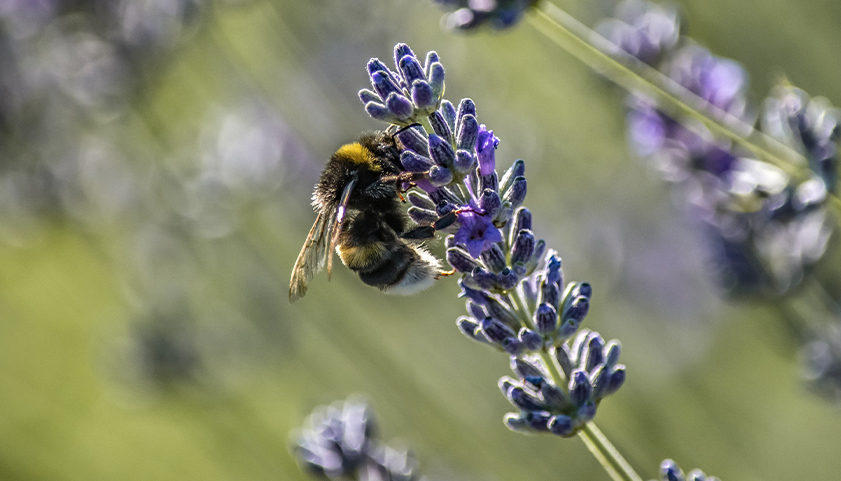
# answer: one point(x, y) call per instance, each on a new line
point(495, 331)
point(366, 96)
point(411, 70)
point(441, 150)
point(422, 216)
point(460, 260)
point(523, 247)
point(431, 58)
point(479, 297)
point(586, 412)
point(470, 328)
point(546, 319)
point(422, 95)
point(465, 161)
point(476, 310)
point(498, 311)
point(506, 384)
point(517, 169)
point(669, 471)
point(553, 269)
point(444, 195)
point(550, 294)
point(617, 378)
point(517, 424)
point(384, 85)
point(494, 258)
point(490, 203)
point(577, 309)
point(449, 112)
point(468, 131)
point(513, 346)
point(568, 329)
point(517, 193)
point(436, 80)
point(399, 105)
point(531, 340)
point(539, 249)
point(600, 379)
point(525, 369)
point(402, 50)
point(439, 125)
point(374, 66)
point(443, 208)
point(522, 219)
point(489, 182)
point(414, 140)
point(555, 397)
point(420, 200)
point(486, 280)
point(440, 176)
point(584, 289)
point(538, 420)
point(465, 107)
point(593, 354)
point(507, 279)
point(413, 162)
point(613, 349)
point(486, 144)
point(561, 425)
point(380, 112)
point(562, 354)
point(580, 388)
point(524, 400)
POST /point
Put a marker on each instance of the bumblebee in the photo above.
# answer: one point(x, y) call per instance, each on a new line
point(357, 202)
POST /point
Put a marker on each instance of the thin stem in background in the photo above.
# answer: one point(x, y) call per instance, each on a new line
point(638, 78)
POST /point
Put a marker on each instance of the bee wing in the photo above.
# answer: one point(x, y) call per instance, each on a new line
point(341, 210)
point(320, 244)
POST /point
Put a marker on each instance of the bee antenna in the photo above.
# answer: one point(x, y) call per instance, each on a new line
point(401, 129)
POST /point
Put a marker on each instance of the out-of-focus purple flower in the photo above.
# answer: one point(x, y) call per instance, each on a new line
point(477, 232)
point(472, 14)
point(643, 29)
point(486, 144)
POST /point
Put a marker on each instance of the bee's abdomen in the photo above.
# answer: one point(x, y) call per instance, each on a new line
point(390, 269)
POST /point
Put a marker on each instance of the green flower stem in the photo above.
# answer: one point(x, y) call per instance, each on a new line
point(639, 78)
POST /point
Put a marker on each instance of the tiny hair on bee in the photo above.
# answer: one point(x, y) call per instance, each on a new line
point(359, 215)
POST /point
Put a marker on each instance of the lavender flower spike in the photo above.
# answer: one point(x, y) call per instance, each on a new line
point(518, 301)
point(340, 441)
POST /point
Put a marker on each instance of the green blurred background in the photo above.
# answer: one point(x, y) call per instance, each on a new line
point(157, 162)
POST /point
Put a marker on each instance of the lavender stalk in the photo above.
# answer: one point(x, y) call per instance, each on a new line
point(516, 297)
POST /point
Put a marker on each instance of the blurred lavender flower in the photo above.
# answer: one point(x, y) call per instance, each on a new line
point(642, 29)
point(526, 312)
point(822, 363)
point(763, 229)
point(471, 14)
point(669, 471)
point(340, 441)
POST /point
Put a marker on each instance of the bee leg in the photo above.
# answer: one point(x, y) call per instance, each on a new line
point(422, 232)
point(428, 231)
point(445, 274)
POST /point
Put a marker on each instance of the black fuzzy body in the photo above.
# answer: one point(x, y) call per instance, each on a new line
point(370, 242)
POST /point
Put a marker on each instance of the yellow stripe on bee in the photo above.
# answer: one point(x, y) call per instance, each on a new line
point(357, 154)
point(357, 257)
